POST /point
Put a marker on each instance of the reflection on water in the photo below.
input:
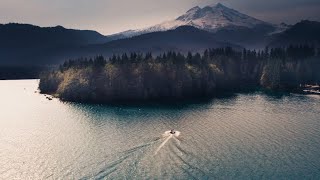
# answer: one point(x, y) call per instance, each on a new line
point(244, 136)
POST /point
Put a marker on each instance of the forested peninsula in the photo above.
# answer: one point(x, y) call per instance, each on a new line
point(140, 77)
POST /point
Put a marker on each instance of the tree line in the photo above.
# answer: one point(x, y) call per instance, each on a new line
point(138, 76)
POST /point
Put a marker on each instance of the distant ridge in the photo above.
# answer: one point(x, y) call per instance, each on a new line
point(181, 39)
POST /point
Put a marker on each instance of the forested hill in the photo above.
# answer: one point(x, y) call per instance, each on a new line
point(15, 35)
point(24, 44)
point(300, 33)
point(175, 76)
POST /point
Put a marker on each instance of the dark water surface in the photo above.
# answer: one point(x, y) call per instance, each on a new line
point(245, 136)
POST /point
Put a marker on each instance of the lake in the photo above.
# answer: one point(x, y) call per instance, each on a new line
point(241, 136)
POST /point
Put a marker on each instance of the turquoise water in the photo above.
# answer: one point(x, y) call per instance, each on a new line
point(242, 136)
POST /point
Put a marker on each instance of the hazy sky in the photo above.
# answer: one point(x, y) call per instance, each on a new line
point(111, 16)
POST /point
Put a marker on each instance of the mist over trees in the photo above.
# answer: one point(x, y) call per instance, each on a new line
point(172, 75)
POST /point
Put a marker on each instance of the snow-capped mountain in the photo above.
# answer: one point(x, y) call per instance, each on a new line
point(210, 18)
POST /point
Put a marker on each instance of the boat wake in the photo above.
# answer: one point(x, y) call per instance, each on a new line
point(147, 158)
point(167, 135)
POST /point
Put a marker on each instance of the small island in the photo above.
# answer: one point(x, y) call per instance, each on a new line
point(172, 75)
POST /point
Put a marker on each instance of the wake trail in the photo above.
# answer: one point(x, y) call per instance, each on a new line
point(113, 165)
point(162, 144)
point(169, 136)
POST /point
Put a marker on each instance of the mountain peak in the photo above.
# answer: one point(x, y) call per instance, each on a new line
point(194, 9)
point(209, 18)
point(59, 27)
point(215, 16)
point(218, 5)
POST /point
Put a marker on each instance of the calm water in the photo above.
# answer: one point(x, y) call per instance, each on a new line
point(245, 136)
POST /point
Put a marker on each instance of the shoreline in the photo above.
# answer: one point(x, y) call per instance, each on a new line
point(187, 100)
